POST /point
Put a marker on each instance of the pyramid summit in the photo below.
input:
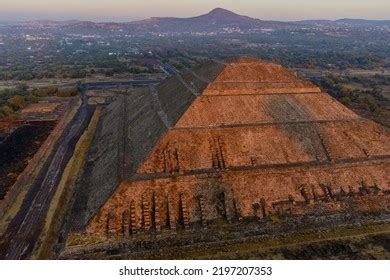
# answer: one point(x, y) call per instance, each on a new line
point(229, 143)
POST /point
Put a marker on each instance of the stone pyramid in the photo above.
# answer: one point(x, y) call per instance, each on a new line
point(256, 141)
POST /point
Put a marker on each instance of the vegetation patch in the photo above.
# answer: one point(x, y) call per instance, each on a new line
point(366, 96)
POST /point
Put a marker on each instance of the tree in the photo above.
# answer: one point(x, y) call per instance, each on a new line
point(40, 92)
point(5, 111)
point(78, 74)
point(370, 102)
point(52, 90)
point(377, 92)
point(67, 92)
point(17, 102)
point(73, 91)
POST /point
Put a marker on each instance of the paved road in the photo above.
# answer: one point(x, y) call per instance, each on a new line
point(118, 84)
point(24, 230)
point(168, 69)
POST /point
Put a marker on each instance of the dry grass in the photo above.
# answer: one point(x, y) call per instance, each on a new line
point(42, 107)
point(304, 238)
point(82, 239)
point(223, 250)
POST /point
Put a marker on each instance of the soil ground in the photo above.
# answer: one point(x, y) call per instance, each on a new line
point(18, 148)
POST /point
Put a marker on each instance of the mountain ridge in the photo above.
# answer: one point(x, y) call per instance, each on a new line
point(217, 20)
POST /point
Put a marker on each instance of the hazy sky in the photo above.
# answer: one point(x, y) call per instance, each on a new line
point(125, 10)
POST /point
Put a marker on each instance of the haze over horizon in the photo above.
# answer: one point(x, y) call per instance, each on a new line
point(128, 10)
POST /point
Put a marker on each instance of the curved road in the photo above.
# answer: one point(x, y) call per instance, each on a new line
point(23, 231)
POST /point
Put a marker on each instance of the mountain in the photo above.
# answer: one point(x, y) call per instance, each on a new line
point(215, 21)
point(218, 20)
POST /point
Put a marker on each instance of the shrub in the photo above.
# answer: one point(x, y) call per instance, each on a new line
point(40, 92)
point(370, 102)
point(5, 111)
point(52, 90)
point(17, 101)
point(67, 92)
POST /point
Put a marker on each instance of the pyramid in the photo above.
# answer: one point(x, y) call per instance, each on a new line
point(256, 141)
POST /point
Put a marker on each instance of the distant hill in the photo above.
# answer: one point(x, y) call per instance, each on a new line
point(363, 22)
point(346, 21)
point(214, 21)
point(218, 20)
